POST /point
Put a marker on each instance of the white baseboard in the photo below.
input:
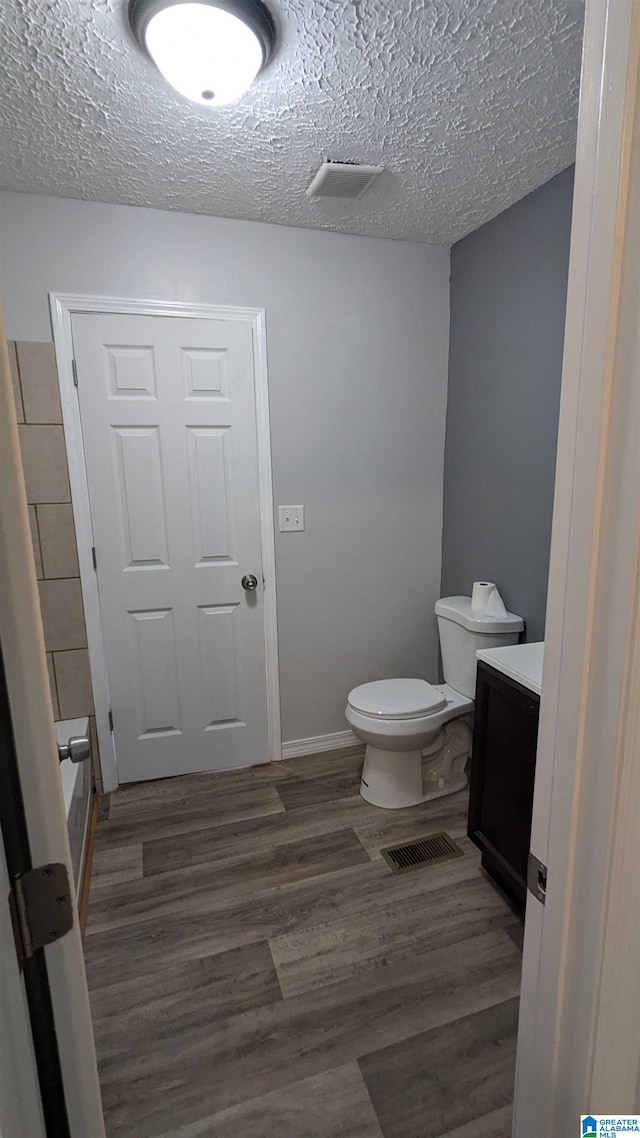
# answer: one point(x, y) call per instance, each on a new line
point(318, 743)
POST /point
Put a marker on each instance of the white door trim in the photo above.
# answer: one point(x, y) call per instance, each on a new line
point(63, 307)
point(579, 1034)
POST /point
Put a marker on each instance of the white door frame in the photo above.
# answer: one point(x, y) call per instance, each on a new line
point(20, 1095)
point(39, 770)
point(63, 307)
point(579, 1034)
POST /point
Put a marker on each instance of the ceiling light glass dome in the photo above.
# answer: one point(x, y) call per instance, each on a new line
point(209, 51)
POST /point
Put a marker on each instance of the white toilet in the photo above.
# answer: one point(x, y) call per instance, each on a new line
point(418, 735)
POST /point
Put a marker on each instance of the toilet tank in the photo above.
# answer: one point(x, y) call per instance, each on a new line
point(462, 634)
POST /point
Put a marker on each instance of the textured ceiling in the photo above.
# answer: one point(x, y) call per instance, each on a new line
point(469, 104)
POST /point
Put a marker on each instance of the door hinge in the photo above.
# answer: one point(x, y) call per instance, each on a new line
point(537, 878)
point(94, 558)
point(41, 908)
point(110, 720)
point(74, 369)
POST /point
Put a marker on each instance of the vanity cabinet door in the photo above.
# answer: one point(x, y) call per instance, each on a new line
point(502, 776)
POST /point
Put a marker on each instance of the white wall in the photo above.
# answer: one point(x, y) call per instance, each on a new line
point(358, 344)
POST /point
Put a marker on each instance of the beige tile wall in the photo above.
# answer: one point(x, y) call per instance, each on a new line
point(44, 460)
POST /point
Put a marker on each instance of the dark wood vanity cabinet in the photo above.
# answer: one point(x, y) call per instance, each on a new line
point(503, 764)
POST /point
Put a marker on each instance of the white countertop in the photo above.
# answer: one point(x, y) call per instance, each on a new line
point(522, 662)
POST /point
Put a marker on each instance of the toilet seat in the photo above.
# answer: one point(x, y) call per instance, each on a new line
point(397, 699)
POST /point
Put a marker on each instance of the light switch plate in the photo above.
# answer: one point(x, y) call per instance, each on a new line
point(291, 518)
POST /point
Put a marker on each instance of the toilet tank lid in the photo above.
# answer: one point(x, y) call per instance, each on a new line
point(458, 609)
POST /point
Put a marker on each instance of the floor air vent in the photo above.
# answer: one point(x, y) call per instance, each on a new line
point(424, 851)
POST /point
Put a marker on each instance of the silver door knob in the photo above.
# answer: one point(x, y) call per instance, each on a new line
point(249, 582)
point(77, 748)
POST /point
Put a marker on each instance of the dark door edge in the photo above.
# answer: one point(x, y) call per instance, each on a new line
point(15, 838)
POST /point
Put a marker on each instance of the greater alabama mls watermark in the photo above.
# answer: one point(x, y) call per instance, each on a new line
point(607, 1125)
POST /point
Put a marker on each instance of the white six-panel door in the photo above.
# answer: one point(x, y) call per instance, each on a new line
point(169, 428)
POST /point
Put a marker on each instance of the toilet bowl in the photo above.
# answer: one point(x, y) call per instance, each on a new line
point(401, 721)
point(418, 734)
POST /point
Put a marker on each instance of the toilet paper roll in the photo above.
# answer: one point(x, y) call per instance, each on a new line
point(480, 594)
point(486, 601)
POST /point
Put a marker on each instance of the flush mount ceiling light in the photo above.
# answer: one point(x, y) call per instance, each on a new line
point(209, 50)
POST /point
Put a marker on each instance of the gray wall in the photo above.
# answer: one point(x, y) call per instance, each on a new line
point(508, 295)
point(357, 333)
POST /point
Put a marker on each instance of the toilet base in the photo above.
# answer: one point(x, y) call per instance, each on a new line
point(396, 779)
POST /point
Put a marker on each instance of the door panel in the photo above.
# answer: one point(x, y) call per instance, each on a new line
point(131, 371)
point(209, 454)
point(155, 681)
point(205, 372)
point(144, 525)
point(168, 420)
point(219, 657)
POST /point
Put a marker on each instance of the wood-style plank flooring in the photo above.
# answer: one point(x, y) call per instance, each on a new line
point(257, 971)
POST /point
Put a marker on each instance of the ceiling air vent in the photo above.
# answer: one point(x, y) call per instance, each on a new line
point(342, 180)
